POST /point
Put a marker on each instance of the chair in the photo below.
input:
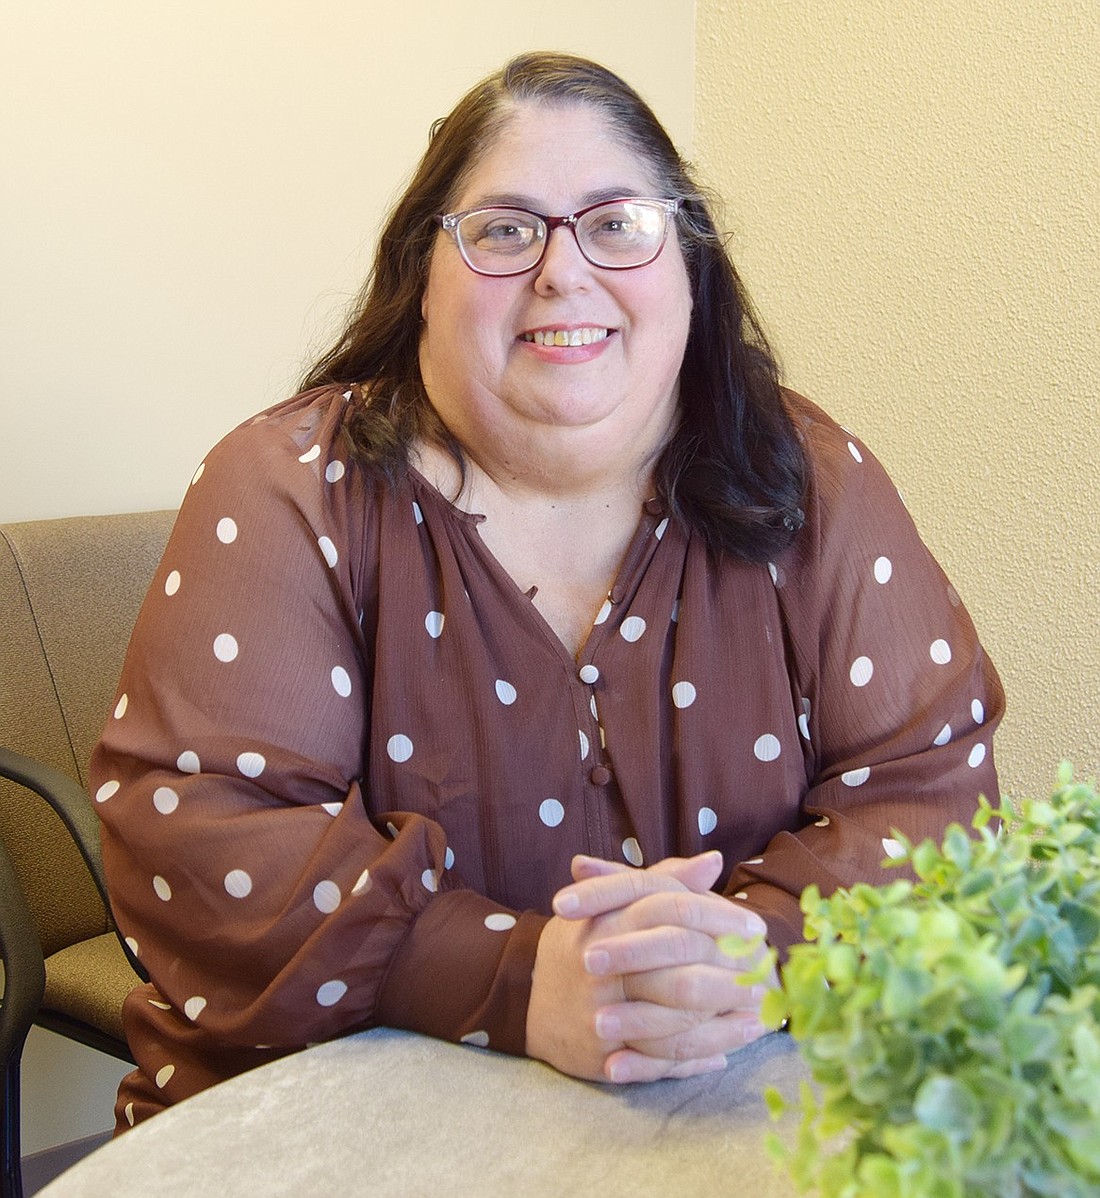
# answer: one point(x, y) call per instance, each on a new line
point(69, 593)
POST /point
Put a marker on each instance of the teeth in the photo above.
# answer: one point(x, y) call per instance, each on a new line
point(585, 336)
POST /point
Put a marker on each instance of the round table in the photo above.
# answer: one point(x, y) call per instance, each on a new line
point(389, 1113)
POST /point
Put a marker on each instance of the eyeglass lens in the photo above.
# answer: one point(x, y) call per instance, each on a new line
point(619, 235)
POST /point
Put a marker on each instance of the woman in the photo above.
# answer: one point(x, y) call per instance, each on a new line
point(539, 642)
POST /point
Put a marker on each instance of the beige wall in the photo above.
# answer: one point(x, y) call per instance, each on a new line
point(913, 187)
point(191, 190)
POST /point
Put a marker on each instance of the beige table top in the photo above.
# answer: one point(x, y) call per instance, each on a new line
point(394, 1115)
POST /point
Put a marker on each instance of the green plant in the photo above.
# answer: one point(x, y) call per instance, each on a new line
point(952, 1025)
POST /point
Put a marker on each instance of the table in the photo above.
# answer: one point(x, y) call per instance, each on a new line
point(390, 1114)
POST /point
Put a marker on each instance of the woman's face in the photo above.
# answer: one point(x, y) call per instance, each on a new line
point(496, 388)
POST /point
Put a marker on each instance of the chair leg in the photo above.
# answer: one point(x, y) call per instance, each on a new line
point(11, 1174)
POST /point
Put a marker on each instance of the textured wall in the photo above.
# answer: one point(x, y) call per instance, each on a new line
point(913, 190)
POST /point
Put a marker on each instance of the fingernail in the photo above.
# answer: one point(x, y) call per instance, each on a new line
point(619, 1071)
point(609, 1027)
point(566, 904)
point(596, 961)
point(755, 925)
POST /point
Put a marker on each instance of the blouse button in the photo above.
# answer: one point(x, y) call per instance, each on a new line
point(588, 673)
point(600, 775)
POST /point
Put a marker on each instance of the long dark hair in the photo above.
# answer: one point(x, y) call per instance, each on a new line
point(733, 470)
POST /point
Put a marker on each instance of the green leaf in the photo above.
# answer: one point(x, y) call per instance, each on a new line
point(945, 1105)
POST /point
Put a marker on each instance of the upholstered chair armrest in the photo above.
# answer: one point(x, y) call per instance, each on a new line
point(24, 970)
point(71, 803)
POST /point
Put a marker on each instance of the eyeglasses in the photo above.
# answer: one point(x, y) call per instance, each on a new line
point(613, 234)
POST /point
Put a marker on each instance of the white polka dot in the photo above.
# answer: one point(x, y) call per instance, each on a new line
point(940, 652)
point(551, 812)
point(773, 571)
point(977, 711)
point(238, 884)
point(506, 692)
point(632, 851)
point(676, 612)
point(330, 993)
point(448, 858)
point(418, 515)
point(754, 861)
point(399, 747)
point(477, 1039)
point(391, 828)
point(328, 551)
point(603, 613)
point(429, 879)
point(854, 451)
point(893, 848)
point(198, 473)
point(584, 744)
point(589, 674)
point(107, 791)
point(194, 1007)
point(332, 809)
point(861, 671)
point(500, 922)
point(172, 583)
point(856, 777)
point(121, 705)
point(165, 800)
point(334, 471)
point(227, 530)
point(943, 737)
point(632, 628)
point(976, 757)
point(363, 883)
point(708, 821)
point(347, 395)
point(659, 531)
point(188, 762)
point(767, 747)
point(162, 889)
point(252, 765)
point(226, 647)
point(341, 681)
point(592, 707)
point(884, 567)
point(326, 896)
point(683, 694)
point(823, 822)
point(311, 454)
point(129, 1112)
point(804, 726)
point(433, 622)
point(741, 894)
point(132, 945)
point(164, 1076)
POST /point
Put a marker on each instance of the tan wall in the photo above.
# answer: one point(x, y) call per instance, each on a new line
point(914, 192)
point(191, 194)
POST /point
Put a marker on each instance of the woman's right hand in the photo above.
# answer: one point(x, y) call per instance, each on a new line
point(629, 984)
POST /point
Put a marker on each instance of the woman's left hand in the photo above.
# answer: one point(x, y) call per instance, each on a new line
point(683, 998)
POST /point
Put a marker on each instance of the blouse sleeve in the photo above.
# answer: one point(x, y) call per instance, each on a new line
point(897, 700)
point(244, 869)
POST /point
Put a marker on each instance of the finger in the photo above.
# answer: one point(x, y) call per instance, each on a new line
point(626, 1066)
point(722, 1034)
point(609, 892)
point(644, 1023)
point(583, 867)
point(700, 988)
point(698, 873)
point(680, 910)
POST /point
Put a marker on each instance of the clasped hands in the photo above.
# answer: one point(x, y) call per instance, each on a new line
point(630, 984)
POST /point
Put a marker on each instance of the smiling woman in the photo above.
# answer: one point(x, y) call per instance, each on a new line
point(560, 644)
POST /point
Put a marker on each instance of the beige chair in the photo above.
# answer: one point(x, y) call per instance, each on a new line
point(69, 593)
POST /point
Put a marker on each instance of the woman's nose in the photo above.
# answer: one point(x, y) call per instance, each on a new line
point(563, 266)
